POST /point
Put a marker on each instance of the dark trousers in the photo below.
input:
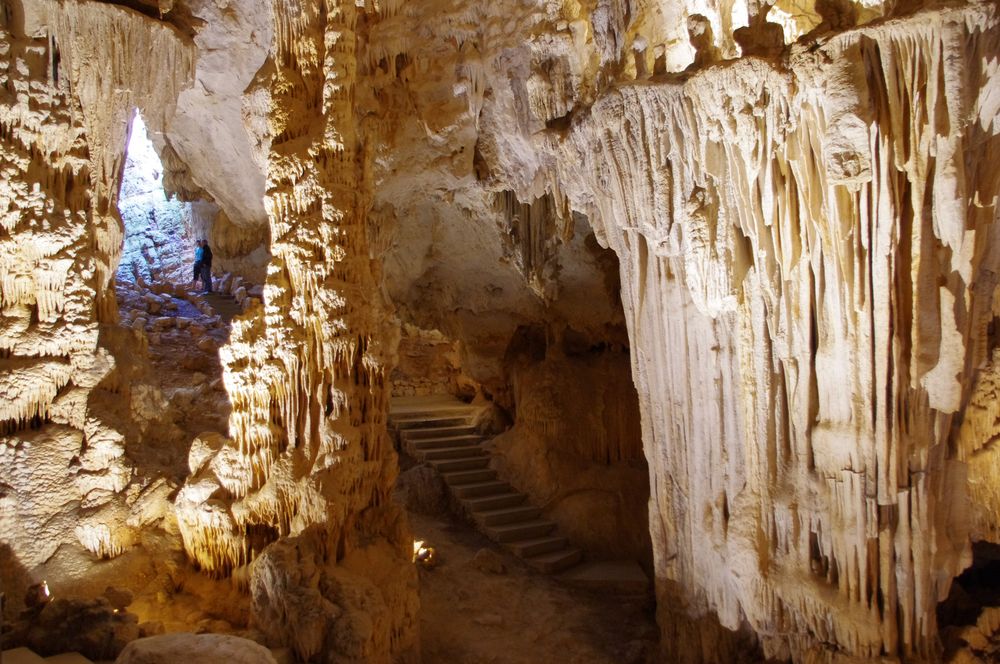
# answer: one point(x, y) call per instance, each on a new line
point(206, 276)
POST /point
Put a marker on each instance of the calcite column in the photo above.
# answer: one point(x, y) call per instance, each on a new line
point(809, 257)
point(309, 465)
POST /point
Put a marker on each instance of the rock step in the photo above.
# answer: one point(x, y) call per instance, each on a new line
point(438, 432)
point(469, 476)
point(451, 465)
point(434, 410)
point(507, 515)
point(555, 561)
point(493, 502)
point(436, 443)
point(481, 489)
point(519, 531)
point(460, 452)
point(443, 420)
point(538, 546)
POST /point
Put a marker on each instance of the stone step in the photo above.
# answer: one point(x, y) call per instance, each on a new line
point(481, 489)
point(519, 531)
point(482, 504)
point(438, 443)
point(451, 465)
point(469, 476)
point(555, 561)
point(427, 421)
point(20, 656)
point(504, 515)
point(438, 432)
point(538, 546)
point(460, 452)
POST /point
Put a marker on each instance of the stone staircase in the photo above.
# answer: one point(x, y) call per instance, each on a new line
point(440, 432)
point(26, 656)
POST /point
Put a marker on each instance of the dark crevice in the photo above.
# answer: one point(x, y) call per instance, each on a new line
point(180, 18)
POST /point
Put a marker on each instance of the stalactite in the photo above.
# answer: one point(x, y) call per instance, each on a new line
point(291, 464)
point(60, 146)
point(799, 250)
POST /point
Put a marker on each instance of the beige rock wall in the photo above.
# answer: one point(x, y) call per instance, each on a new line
point(808, 266)
point(575, 446)
point(309, 467)
point(69, 82)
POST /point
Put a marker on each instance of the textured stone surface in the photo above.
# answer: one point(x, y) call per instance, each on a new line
point(803, 243)
point(309, 455)
point(807, 285)
point(195, 649)
point(64, 105)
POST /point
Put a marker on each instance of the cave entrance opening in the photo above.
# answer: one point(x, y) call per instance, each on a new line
point(159, 234)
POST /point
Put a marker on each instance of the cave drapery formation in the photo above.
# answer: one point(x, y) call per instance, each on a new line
point(64, 128)
point(309, 455)
point(806, 260)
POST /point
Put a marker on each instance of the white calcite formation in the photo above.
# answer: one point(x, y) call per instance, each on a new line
point(310, 456)
point(64, 103)
point(798, 237)
point(808, 269)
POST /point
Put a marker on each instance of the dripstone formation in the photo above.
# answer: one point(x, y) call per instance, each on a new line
point(722, 275)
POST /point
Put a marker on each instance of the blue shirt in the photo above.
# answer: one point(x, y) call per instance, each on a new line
point(199, 253)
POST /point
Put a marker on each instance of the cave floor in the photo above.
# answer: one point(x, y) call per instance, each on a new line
point(470, 614)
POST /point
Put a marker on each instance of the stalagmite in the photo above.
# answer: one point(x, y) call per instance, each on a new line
point(309, 458)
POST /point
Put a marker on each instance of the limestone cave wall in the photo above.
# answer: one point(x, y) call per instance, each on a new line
point(808, 268)
point(309, 469)
point(807, 259)
point(65, 477)
point(796, 236)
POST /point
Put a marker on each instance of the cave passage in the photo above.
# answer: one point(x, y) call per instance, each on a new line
point(158, 231)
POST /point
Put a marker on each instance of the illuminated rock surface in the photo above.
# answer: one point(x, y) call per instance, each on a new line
point(729, 286)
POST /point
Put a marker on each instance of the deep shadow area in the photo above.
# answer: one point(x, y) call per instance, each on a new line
point(974, 590)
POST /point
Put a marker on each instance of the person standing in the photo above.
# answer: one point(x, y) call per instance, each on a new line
point(206, 266)
point(199, 257)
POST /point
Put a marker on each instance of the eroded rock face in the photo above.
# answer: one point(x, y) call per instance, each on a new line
point(309, 452)
point(808, 280)
point(807, 268)
point(804, 242)
point(63, 140)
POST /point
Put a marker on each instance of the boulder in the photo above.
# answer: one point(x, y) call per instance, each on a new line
point(92, 627)
point(194, 649)
point(422, 490)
